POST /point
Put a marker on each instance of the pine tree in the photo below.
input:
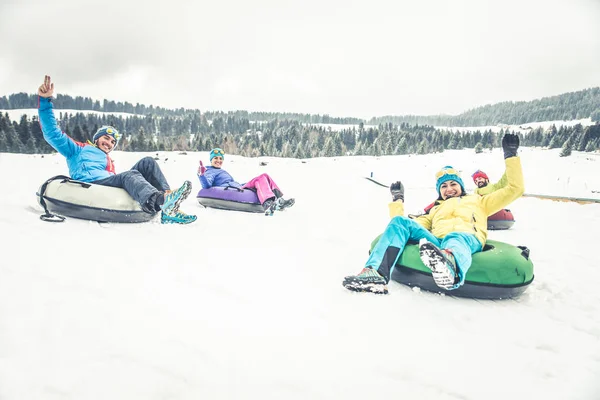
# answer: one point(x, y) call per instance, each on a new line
point(566, 148)
point(23, 129)
point(30, 147)
point(3, 142)
point(12, 139)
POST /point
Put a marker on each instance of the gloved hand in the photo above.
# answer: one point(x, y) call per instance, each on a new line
point(201, 169)
point(397, 190)
point(510, 145)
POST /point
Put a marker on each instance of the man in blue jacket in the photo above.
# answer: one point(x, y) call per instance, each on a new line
point(90, 162)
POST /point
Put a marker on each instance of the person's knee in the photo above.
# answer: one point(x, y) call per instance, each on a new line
point(400, 220)
point(148, 160)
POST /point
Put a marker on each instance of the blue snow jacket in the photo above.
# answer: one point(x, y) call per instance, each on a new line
point(86, 162)
point(217, 177)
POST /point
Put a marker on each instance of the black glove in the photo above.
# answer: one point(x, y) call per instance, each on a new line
point(510, 145)
point(397, 189)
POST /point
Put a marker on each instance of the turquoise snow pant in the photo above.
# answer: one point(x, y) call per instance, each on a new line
point(400, 230)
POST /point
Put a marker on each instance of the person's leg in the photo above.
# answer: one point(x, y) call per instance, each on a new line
point(462, 246)
point(399, 231)
point(262, 186)
point(273, 186)
point(151, 171)
point(137, 186)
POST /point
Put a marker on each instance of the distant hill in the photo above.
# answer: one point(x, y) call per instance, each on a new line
point(565, 107)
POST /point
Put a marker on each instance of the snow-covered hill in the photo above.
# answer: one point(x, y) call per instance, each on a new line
point(240, 306)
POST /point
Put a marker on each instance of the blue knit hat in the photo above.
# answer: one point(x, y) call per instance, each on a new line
point(107, 130)
point(216, 152)
point(448, 174)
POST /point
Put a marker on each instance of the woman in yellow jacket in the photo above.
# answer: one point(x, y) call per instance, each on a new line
point(453, 229)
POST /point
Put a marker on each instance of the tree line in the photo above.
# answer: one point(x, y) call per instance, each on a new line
point(280, 138)
point(568, 106)
point(23, 100)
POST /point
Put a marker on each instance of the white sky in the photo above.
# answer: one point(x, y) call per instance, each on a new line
point(239, 306)
point(344, 58)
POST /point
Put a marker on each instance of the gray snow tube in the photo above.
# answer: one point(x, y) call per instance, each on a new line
point(63, 196)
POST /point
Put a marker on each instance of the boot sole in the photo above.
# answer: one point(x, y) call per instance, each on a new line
point(376, 288)
point(181, 222)
point(184, 195)
point(433, 259)
point(286, 207)
point(186, 192)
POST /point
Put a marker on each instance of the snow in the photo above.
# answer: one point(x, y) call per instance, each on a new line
point(239, 305)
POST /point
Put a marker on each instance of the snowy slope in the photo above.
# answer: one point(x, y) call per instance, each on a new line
point(242, 306)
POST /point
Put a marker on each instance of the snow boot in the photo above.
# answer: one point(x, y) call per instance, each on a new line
point(368, 280)
point(441, 263)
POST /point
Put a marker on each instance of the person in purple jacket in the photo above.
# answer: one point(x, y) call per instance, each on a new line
point(90, 162)
point(266, 189)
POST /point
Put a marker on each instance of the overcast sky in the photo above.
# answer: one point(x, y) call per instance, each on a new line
point(344, 58)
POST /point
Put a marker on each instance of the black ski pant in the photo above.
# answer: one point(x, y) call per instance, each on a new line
point(144, 182)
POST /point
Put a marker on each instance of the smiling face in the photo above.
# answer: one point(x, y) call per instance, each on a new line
point(217, 162)
point(480, 181)
point(106, 143)
point(450, 189)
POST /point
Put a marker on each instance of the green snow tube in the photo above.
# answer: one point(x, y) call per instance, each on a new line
point(500, 271)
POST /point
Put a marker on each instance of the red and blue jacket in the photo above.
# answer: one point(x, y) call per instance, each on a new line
point(87, 163)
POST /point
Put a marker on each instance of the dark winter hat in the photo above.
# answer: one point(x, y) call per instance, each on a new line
point(217, 152)
point(479, 174)
point(107, 130)
point(448, 174)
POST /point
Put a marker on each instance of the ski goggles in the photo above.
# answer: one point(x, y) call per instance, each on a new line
point(217, 153)
point(447, 171)
point(114, 133)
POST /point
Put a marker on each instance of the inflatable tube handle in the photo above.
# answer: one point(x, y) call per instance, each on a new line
point(236, 188)
point(47, 216)
point(524, 252)
point(82, 184)
point(51, 217)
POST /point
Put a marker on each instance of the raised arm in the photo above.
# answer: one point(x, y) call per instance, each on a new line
point(206, 176)
point(515, 185)
point(52, 133)
point(396, 207)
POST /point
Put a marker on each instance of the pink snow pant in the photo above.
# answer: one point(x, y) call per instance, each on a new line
point(264, 186)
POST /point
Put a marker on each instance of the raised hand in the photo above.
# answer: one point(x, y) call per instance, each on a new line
point(201, 169)
point(510, 145)
point(47, 88)
point(397, 190)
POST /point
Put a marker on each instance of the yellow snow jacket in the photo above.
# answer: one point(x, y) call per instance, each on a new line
point(469, 213)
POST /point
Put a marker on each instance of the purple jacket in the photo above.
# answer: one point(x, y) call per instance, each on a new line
point(217, 177)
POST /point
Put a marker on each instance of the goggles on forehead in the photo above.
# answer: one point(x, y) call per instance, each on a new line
point(217, 152)
point(114, 134)
point(447, 171)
